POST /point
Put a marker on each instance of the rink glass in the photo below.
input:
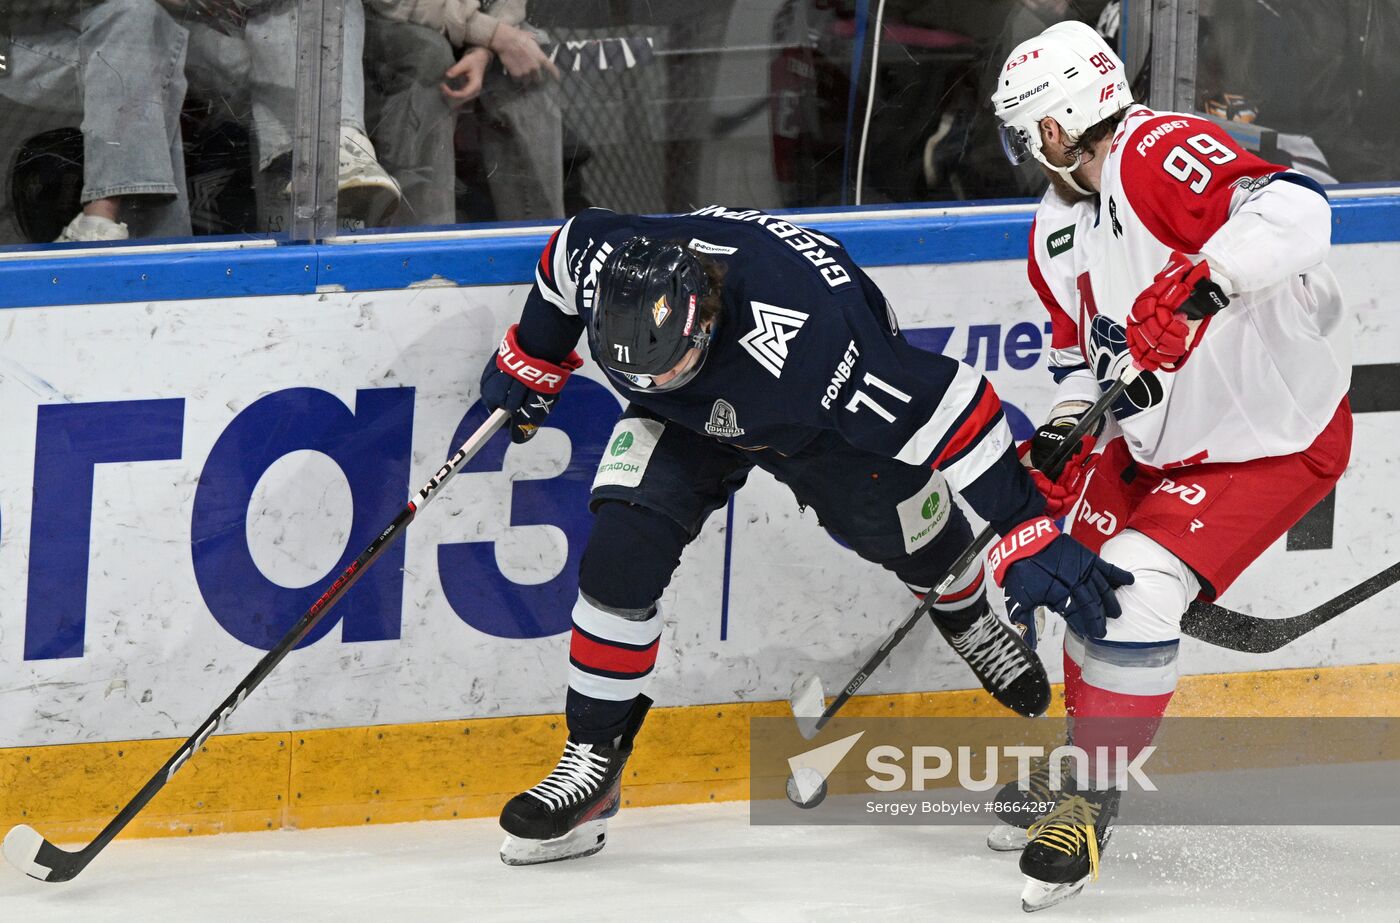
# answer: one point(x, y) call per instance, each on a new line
point(660, 106)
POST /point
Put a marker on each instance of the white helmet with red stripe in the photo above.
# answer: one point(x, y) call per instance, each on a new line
point(1067, 73)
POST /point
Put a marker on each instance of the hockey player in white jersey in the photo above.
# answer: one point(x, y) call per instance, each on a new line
point(1164, 244)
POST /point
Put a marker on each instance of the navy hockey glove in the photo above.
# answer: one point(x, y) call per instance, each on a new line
point(1037, 565)
point(526, 386)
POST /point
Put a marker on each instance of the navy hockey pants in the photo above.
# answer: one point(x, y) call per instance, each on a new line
point(656, 485)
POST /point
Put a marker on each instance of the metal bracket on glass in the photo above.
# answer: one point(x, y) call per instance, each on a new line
point(1174, 45)
point(316, 132)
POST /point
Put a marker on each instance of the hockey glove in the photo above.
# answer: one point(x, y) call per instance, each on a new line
point(526, 386)
point(1060, 489)
point(1159, 336)
point(1037, 565)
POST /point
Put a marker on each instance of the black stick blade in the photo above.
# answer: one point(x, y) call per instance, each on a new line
point(1234, 630)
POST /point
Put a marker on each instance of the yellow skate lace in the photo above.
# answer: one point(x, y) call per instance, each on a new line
point(1038, 782)
point(1067, 827)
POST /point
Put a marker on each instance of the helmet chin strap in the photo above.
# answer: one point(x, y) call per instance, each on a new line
point(1066, 173)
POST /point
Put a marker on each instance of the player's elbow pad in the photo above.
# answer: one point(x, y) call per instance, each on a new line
point(1282, 230)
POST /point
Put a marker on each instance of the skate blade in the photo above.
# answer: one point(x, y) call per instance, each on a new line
point(1037, 894)
point(1006, 838)
point(583, 840)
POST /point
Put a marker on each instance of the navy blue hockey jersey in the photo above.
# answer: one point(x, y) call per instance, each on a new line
point(806, 342)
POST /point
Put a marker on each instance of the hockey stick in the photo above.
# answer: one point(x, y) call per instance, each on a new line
point(1239, 632)
point(38, 858)
point(807, 696)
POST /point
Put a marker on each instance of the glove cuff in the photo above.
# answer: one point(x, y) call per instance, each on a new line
point(536, 374)
point(1204, 296)
point(1027, 539)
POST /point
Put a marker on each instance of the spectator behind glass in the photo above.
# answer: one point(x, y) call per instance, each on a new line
point(1328, 71)
point(247, 63)
point(425, 59)
point(118, 65)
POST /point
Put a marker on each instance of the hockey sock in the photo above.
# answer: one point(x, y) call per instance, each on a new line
point(610, 657)
point(963, 604)
point(1115, 696)
point(631, 554)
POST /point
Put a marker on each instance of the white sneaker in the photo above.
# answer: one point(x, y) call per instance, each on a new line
point(366, 191)
point(88, 228)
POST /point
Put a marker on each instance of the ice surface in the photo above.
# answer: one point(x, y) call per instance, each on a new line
point(705, 862)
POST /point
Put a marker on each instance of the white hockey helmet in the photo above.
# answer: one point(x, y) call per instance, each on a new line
point(1067, 73)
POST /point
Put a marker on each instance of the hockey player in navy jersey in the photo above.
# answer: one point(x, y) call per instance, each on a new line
point(742, 340)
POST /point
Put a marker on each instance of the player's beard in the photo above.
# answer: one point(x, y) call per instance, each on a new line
point(1063, 190)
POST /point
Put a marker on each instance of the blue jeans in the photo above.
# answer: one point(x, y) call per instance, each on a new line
point(120, 66)
point(272, 49)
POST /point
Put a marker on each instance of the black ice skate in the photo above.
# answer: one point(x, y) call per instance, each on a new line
point(566, 815)
point(1005, 666)
point(1019, 808)
point(1063, 853)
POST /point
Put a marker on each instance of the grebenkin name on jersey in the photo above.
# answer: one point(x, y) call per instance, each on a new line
point(804, 241)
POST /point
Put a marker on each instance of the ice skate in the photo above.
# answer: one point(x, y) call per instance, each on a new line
point(1005, 666)
point(1019, 808)
point(566, 815)
point(1063, 853)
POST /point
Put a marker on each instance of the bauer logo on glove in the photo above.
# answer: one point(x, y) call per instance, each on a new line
point(524, 385)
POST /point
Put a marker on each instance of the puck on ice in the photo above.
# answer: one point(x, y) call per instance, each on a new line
point(812, 783)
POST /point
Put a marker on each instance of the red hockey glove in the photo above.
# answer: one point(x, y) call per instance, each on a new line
point(1159, 336)
point(1063, 489)
point(526, 386)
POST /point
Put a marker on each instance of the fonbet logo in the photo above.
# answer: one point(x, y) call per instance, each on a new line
point(842, 373)
point(974, 769)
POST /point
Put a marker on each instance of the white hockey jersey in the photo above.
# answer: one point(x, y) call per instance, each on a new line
point(1268, 372)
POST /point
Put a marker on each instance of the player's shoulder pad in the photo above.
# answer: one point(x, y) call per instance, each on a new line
point(1179, 173)
point(569, 253)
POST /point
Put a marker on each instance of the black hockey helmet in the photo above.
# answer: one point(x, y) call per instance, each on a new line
point(645, 318)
